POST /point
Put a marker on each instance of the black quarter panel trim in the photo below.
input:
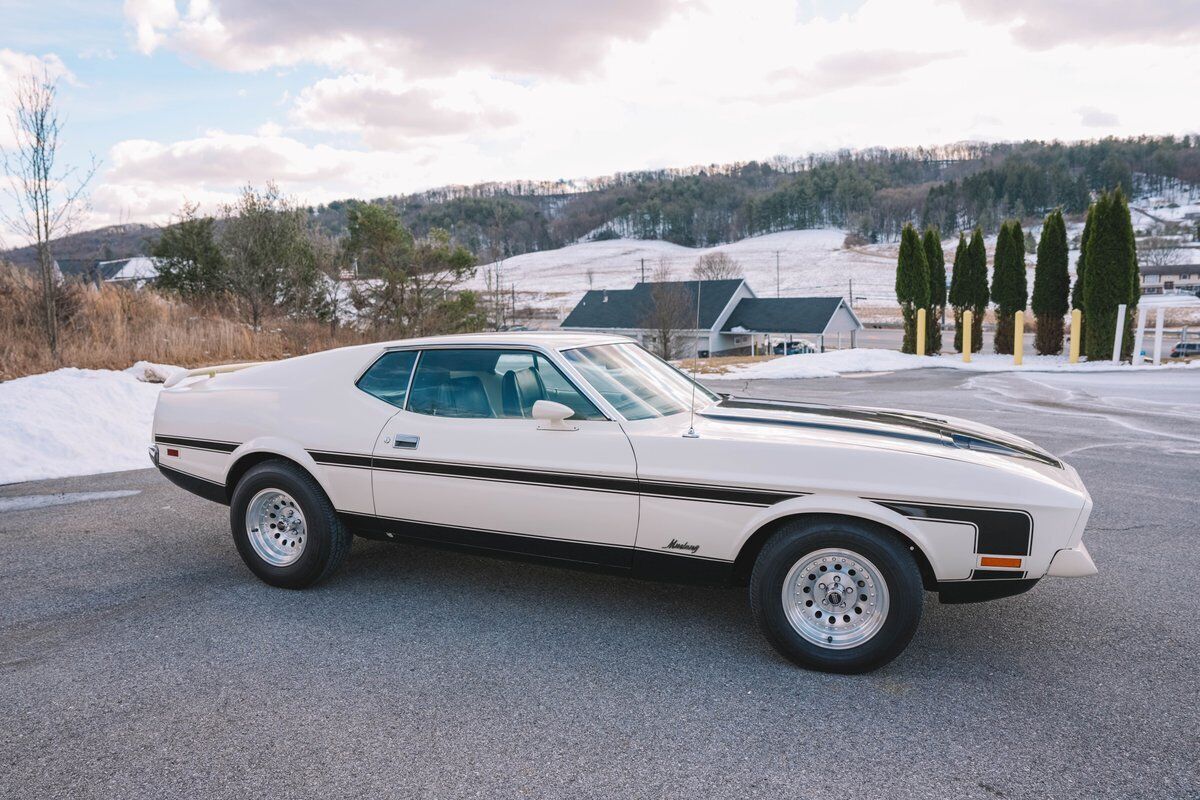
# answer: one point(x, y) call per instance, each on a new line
point(1000, 532)
point(197, 444)
point(201, 487)
point(996, 575)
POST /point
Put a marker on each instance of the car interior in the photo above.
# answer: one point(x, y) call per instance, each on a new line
point(475, 383)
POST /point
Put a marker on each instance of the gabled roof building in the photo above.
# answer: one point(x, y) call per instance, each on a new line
point(731, 319)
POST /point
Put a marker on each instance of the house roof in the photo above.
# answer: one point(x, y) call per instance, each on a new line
point(782, 314)
point(625, 309)
point(1170, 269)
point(75, 267)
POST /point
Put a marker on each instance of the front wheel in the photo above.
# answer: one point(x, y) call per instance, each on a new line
point(284, 526)
point(836, 595)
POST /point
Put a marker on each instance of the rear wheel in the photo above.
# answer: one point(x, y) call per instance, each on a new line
point(285, 528)
point(836, 595)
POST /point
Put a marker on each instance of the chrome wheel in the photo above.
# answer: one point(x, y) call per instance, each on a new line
point(275, 527)
point(835, 598)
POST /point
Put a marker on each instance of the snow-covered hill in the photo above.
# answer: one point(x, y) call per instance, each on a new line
point(810, 263)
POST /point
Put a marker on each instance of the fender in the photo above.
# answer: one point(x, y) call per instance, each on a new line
point(848, 507)
point(278, 446)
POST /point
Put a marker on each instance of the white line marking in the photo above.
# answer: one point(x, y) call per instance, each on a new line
point(26, 502)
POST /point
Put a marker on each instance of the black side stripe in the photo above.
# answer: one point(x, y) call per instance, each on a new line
point(605, 553)
point(198, 444)
point(999, 531)
point(995, 575)
point(569, 480)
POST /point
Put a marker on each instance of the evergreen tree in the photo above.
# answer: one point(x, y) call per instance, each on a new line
point(957, 296)
point(1009, 289)
point(936, 259)
point(1111, 276)
point(1080, 270)
point(977, 287)
point(1051, 284)
point(189, 261)
point(912, 284)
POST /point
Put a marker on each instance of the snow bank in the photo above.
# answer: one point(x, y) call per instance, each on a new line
point(838, 362)
point(77, 422)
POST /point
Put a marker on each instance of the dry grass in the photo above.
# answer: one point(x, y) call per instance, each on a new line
point(114, 326)
point(720, 364)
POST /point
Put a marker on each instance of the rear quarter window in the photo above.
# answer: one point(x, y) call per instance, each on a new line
point(388, 377)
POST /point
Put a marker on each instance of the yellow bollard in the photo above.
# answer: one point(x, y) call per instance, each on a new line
point(967, 319)
point(920, 331)
point(1076, 327)
point(1018, 337)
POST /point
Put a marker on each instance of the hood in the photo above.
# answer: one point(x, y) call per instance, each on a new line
point(886, 423)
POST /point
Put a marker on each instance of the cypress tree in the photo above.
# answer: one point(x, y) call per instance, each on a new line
point(958, 280)
point(912, 284)
point(1051, 283)
point(1009, 288)
point(936, 260)
point(977, 287)
point(1111, 276)
point(1080, 269)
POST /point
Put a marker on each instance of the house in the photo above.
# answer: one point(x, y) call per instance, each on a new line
point(131, 271)
point(730, 318)
point(1173, 279)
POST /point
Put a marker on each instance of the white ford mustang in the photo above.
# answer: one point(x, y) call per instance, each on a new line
point(587, 449)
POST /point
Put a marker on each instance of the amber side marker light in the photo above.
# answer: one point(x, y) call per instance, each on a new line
point(994, 561)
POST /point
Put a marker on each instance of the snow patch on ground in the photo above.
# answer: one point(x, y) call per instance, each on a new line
point(839, 362)
point(76, 422)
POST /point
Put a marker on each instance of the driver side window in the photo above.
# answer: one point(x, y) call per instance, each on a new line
point(490, 383)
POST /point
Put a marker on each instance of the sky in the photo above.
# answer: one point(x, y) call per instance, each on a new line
point(188, 100)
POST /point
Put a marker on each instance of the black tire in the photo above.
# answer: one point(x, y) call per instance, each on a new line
point(795, 543)
point(327, 540)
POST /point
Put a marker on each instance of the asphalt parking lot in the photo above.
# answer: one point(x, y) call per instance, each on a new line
point(139, 658)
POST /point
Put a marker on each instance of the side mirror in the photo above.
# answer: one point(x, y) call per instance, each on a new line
point(553, 414)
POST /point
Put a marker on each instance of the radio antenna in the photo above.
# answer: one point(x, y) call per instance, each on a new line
point(691, 431)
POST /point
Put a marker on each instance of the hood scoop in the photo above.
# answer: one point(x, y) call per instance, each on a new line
point(871, 422)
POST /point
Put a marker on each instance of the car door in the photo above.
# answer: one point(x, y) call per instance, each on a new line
point(463, 462)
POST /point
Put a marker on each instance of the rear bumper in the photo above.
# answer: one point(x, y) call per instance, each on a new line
point(1072, 562)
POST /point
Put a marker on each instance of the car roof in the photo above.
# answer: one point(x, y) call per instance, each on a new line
point(554, 340)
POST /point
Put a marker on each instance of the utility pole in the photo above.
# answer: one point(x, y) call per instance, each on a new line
point(777, 273)
point(852, 292)
point(643, 270)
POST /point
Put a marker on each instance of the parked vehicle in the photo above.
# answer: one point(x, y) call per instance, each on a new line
point(1185, 351)
point(793, 348)
point(587, 449)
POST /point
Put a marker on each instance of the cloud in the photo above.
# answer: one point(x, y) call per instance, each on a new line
point(543, 37)
point(392, 112)
point(149, 180)
point(14, 66)
point(1047, 23)
point(851, 69)
point(1093, 117)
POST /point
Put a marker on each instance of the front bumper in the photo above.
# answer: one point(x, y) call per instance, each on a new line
point(1072, 562)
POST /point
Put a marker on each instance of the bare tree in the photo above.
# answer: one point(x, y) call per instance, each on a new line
point(1160, 251)
point(329, 259)
point(716, 267)
point(48, 202)
point(672, 313)
point(591, 277)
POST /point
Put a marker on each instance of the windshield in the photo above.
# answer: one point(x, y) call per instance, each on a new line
point(638, 384)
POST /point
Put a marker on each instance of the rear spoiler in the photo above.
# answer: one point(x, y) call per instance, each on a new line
point(209, 371)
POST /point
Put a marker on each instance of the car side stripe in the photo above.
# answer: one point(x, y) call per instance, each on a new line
point(568, 480)
point(197, 444)
point(999, 531)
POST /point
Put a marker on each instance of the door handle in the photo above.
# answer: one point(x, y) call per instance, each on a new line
point(406, 442)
